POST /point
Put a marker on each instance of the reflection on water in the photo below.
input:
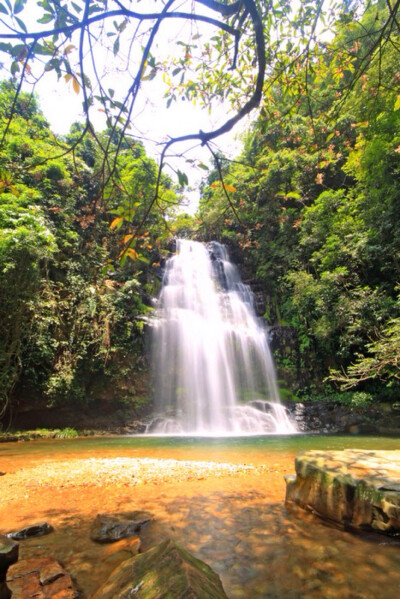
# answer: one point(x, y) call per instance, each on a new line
point(239, 526)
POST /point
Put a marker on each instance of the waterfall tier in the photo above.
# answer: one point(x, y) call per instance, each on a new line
point(214, 373)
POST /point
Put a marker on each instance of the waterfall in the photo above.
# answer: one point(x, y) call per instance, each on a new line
point(213, 369)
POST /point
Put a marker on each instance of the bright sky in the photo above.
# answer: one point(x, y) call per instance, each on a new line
point(154, 122)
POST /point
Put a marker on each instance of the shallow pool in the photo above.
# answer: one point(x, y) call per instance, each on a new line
point(237, 524)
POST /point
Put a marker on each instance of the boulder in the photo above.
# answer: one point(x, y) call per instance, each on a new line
point(8, 555)
point(165, 571)
point(108, 529)
point(41, 578)
point(34, 530)
point(357, 488)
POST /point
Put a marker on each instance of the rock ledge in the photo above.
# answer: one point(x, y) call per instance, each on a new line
point(357, 488)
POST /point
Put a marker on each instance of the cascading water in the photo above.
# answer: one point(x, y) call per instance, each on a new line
point(214, 373)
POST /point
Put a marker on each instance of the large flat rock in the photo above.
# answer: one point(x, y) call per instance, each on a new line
point(358, 488)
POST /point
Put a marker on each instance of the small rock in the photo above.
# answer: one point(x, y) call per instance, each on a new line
point(34, 530)
point(108, 529)
point(166, 570)
point(2, 473)
point(8, 555)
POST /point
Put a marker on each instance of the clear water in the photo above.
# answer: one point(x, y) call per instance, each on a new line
point(214, 372)
point(238, 525)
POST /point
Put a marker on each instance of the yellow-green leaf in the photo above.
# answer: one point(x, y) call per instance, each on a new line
point(117, 222)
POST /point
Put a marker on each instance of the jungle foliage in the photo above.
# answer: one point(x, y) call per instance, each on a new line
point(74, 296)
point(310, 207)
point(313, 205)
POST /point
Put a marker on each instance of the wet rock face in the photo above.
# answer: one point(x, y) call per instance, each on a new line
point(167, 570)
point(357, 488)
point(333, 417)
point(108, 529)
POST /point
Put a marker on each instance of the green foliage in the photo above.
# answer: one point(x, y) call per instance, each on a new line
point(351, 399)
point(315, 211)
point(74, 291)
point(66, 433)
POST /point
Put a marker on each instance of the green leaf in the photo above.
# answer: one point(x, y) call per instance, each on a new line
point(21, 24)
point(203, 166)
point(18, 6)
point(76, 7)
point(293, 194)
point(46, 18)
point(3, 9)
point(182, 178)
point(397, 103)
point(14, 67)
point(116, 46)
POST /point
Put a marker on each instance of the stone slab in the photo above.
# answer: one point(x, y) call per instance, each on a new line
point(357, 488)
point(41, 577)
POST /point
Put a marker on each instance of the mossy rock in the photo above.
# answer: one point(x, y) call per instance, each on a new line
point(357, 488)
point(166, 571)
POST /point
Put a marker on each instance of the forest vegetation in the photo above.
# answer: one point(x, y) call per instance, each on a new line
point(309, 209)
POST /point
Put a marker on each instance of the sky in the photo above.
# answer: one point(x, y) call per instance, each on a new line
point(154, 123)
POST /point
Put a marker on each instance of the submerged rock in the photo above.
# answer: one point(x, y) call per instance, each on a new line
point(108, 529)
point(357, 488)
point(34, 530)
point(41, 577)
point(164, 571)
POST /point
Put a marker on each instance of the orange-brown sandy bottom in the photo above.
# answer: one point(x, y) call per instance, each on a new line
point(233, 518)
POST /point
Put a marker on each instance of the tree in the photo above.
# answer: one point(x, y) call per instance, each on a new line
point(317, 194)
point(227, 50)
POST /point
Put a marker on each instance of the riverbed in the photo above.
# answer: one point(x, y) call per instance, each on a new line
point(222, 499)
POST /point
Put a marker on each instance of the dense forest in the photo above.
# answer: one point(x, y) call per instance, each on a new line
point(312, 206)
point(309, 210)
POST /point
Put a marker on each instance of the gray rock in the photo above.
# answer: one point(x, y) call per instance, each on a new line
point(34, 530)
point(164, 571)
point(110, 528)
point(357, 488)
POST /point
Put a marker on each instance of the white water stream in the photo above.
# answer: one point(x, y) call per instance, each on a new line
point(214, 373)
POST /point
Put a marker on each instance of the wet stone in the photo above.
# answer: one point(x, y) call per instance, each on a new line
point(34, 530)
point(357, 488)
point(40, 578)
point(108, 529)
point(166, 570)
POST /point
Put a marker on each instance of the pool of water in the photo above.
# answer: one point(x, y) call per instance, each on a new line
point(238, 525)
point(255, 447)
